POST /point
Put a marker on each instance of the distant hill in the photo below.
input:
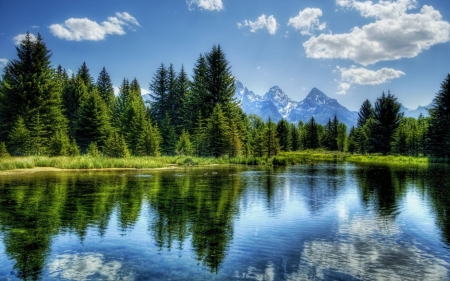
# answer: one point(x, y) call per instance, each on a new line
point(277, 105)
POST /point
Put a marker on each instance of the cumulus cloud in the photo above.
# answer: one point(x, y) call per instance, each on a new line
point(395, 34)
point(144, 91)
point(210, 5)
point(270, 23)
point(19, 38)
point(79, 29)
point(307, 21)
point(363, 76)
point(3, 62)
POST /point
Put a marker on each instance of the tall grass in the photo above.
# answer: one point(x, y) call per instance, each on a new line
point(283, 159)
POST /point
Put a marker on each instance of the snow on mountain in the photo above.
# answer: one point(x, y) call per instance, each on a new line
point(277, 105)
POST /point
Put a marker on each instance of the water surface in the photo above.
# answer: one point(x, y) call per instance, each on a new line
point(308, 222)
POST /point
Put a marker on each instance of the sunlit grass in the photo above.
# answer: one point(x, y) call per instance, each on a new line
point(283, 159)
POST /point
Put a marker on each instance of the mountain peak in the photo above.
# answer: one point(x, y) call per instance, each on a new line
point(316, 96)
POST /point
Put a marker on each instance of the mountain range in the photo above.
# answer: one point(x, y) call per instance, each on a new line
point(277, 105)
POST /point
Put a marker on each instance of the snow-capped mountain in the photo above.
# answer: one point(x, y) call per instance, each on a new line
point(276, 105)
point(416, 112)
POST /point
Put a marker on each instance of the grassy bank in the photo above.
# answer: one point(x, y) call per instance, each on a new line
point(283, 159)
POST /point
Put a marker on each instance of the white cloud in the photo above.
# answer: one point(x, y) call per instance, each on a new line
point(116, 90)
point(3, 62)
point(210, 5)
point(363, 76)
point(35, 26)
point(395, 34)
point(19, 38)
point(270, 23)
point(79, 29)
point(307, 21)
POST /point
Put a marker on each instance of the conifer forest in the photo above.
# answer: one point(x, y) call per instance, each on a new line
point(45, 111)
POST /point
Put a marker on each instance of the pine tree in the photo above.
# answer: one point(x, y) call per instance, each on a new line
point(39, 143)
point(257, 127)
point(159, 88)
point(269, 140)
point(105, 89)
point(235, 141)
point(341, 138)
point(74, 149)
point(59, 144)
point(365, 112)
point(19, 139)
point(311, 135)
point(387, 117)
point(149, 142)
point(185, 114)
point(169, 136)
point(116, 147)
point(284, 135)
point(83, 74)
point(200, 141)
point(352, 140)
point(3, 151)
point(217, 132)
point(295, 138)
point(29, 85)
point(93, 150)
point(184, 145)
point(93, 123)
point(439, 122)
point(199, 89)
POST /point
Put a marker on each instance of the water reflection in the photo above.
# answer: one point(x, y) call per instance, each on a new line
point(315, 221)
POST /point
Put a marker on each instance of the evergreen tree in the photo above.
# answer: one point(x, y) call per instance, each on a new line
point(220, 83)
point(439, 122)
point(295, 135)
point(149, 142)
point(235, 141)
point(185, 114)
point(199, 89)
point(365, 112)
point(19, 139)
point(93, 123)
point(269, 139)
point(311, 140)
point(39, 143)
point(83, 74)
point(217, 131)
point(93, 150)
point(184, 145)
point(341, 138)
point(73, 95)
point(200, 141)
point(105, 89)
point(74, 149)
point(115, 146)
point(387, 117)
point(29, 85)
point(169, 140)
point(284, 135)
point(257, 127)
point(352, 140)
point(159, 88)
point(59, 144)
point(3, 151)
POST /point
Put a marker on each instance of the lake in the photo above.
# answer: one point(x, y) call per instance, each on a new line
point(322, 221)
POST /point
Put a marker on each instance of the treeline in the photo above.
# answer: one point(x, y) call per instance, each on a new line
point(44, 111)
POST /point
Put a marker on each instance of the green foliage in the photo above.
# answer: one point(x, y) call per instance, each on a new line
point(93, 123)
point(149, 142)
point(3, 151)
point(217, 130)
point(235, 141)
point(184, 145)
point(269, 139)
point(93, 150)
point(105, 89)
point(341, 138)
point(74, 149)
point(387, 118)
point(295, 135)
point(256, 130)
point(311, 139)
point(200, 142)
point(169, 136)
point(438, 135)
point(19, 139)
point(115, 146)
point(159, 88)
point(365, 113)
point(29, 85)
point(352, 141)
point(284, 135)
point(59, 144)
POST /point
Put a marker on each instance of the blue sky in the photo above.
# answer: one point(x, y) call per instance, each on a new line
point(350, 49)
